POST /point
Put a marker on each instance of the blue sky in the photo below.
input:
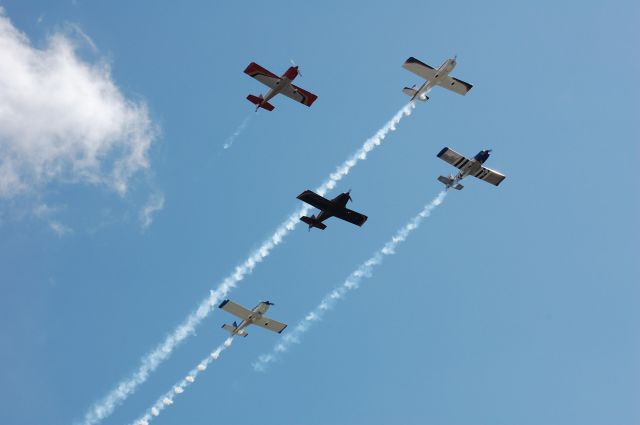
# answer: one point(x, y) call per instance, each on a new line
point(515, 304)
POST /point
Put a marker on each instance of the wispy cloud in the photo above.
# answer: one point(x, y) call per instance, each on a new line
point(167, 399)
point(352, 282)
point(59, 228)
point(46, 213)
point(63, 119)
point(155, 357)
point(153, 205)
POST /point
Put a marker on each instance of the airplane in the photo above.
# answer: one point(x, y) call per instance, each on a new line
point(250, 317)
point(277, 85)
point(434, 77)
point(336, 207)
point(468, 167)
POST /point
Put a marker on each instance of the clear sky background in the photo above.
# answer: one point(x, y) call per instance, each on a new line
point(510, 305)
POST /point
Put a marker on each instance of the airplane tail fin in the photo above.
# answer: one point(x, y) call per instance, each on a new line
point(410, 91)
point(260, 102)
point(312, 222)
point(232, 329)
point(448, 181)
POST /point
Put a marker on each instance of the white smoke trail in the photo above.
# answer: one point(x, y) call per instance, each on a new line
point(352, 282)
point(153, 359)
point(239, 130)
point(166, 399)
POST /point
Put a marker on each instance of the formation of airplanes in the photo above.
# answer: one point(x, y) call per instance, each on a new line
point(337, 207)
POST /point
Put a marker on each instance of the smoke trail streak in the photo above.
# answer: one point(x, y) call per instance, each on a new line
point(352, 282)
point(239, 130)
point(166, 399)
point(155, 357)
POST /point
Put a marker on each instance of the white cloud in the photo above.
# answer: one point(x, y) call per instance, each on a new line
point(63, 119)
point(59, 228)
point(154, 204)
point(45, 212)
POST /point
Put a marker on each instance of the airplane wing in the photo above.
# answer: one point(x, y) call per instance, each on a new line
point(454, 85)
point(316, 200)
point(299, 95)
point(453, 158)
point(489, 175)
point(272, 325)
point(351, 216)
point(421, 69)
point(235, 309)
point(261, 74)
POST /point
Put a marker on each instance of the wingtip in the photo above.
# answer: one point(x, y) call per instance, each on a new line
point(303, 193)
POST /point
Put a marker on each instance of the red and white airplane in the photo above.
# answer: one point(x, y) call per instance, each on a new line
point(277, 85)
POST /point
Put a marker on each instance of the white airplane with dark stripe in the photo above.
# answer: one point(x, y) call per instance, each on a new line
point(256, 316)
point(468, 167)
point(434, 77)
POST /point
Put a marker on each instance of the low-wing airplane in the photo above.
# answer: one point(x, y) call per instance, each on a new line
point(336, 207)
point(250, 317)
point(434, 77)
point(277, 85)
point(468, 167)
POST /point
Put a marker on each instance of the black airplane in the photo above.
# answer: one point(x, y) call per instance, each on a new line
point(336, 207)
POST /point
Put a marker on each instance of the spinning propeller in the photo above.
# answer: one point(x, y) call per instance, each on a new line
point(294, 64)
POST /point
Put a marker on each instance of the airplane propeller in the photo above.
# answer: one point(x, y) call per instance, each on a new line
point(349, 195)
point(294, 64)
point(268, 303)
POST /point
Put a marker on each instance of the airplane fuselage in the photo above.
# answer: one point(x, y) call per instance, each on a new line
point(443, 71)
point(339, 201)
point(257, 312)
point(285, 81)
point(472, 167)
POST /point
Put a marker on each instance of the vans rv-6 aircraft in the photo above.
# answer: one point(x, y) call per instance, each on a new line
point(336, 207)
point(277, 85)
point(250, 317)
point(468, 167)
point(434, 77)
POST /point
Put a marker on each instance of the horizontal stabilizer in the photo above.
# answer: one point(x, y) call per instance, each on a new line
point(412, 92)
point(232, 330)
point(260, 102)
point(313, 222)
point(445, 180)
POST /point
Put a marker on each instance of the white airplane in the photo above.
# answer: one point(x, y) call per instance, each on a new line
point(250, 317)
point(468, 167)
point(434, 77)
